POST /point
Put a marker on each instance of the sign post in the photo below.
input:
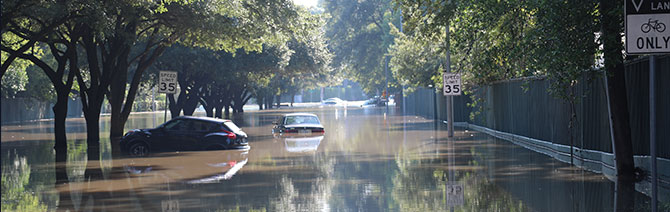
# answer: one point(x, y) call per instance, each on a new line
point(647, 32)
point(452, 87)
point(167, 83)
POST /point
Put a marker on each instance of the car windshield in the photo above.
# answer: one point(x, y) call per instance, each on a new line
point(301, 120)
point(232, 126)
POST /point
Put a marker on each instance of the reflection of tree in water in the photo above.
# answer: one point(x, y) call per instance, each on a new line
point(314, 196)
point(15, 180)
point(77, 157)
point(424, 189)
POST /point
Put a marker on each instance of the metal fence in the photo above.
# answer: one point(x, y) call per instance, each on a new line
point(524, 107)
point(26, 109)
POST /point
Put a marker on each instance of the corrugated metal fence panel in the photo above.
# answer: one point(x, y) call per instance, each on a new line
point(663, 106)
point(26, 109)
point(526, 108)
point(592, 115)
point(637, 84)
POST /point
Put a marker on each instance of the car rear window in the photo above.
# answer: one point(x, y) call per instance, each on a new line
point(230, 125)
point(301, 120)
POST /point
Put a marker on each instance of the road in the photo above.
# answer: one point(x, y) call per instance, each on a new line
point(370, 159)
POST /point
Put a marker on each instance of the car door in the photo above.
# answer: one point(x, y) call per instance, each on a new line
point(172, 135)
point(187, 137)
point(196, 135)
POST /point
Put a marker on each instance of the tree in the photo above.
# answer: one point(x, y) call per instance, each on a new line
point(309, 64)
point(218, 25)
point(611, 23)
point(416, 60)
point(46, 23)
point(359, 35)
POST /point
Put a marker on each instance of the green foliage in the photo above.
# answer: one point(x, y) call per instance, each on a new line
point(13, 81)
point(359, 34)
point(309, 63)
point(416, 60)
point(495, 40)
point(15, 179)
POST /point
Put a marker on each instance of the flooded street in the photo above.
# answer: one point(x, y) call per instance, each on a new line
point(369, 159)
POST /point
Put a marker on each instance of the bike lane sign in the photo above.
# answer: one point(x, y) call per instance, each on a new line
point(647, 23)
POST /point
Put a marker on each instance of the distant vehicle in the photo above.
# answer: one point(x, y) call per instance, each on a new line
point(185, 133)
point(298, 123)
point(332, 101)
point(375, 101)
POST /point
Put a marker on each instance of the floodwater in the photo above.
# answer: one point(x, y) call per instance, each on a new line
point(369, 159)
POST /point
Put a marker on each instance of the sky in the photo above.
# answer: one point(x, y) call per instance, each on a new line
point(306, 3)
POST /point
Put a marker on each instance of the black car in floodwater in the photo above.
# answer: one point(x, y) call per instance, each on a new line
point(185, 133)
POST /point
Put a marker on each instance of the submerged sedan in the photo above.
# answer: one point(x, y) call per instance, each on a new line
point(185, 133)
point(300, 123)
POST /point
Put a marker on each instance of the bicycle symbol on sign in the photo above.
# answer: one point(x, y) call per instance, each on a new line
point(655, 25)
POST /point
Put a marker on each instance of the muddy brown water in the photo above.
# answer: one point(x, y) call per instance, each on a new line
point(369, 159)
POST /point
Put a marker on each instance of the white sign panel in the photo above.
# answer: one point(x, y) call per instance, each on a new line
point(454, 194)
point(452, 84)
point(170, 205)
point(167, 82)
point(647, 26)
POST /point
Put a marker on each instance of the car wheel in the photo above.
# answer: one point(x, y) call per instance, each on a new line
point(139, 149)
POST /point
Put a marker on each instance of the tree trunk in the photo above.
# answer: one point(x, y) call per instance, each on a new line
point(116, 96)
point(292, 98)
point(209, 110)
point(122, 103)
point(190, 105)
point(219, 110)
point(227, 110)
point(268, 102)
point(60, 115)
point(93, 128)
point(259, 101)
point(612, 27)
point(93, 94)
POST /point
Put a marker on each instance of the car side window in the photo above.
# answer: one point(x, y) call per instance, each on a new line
point(289, 120)
point(174, 125)
point(187, 125)
point(201, 126)
point(213, 127)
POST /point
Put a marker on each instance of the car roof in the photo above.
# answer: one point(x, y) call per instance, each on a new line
point(299, 114)
point(210, 119)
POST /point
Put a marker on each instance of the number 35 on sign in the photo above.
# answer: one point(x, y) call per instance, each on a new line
point(452, 84)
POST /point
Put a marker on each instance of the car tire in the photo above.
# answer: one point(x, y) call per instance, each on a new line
point(139, 149)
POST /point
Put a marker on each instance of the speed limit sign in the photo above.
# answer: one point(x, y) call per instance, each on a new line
point(167, 82)
point(452, 84)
